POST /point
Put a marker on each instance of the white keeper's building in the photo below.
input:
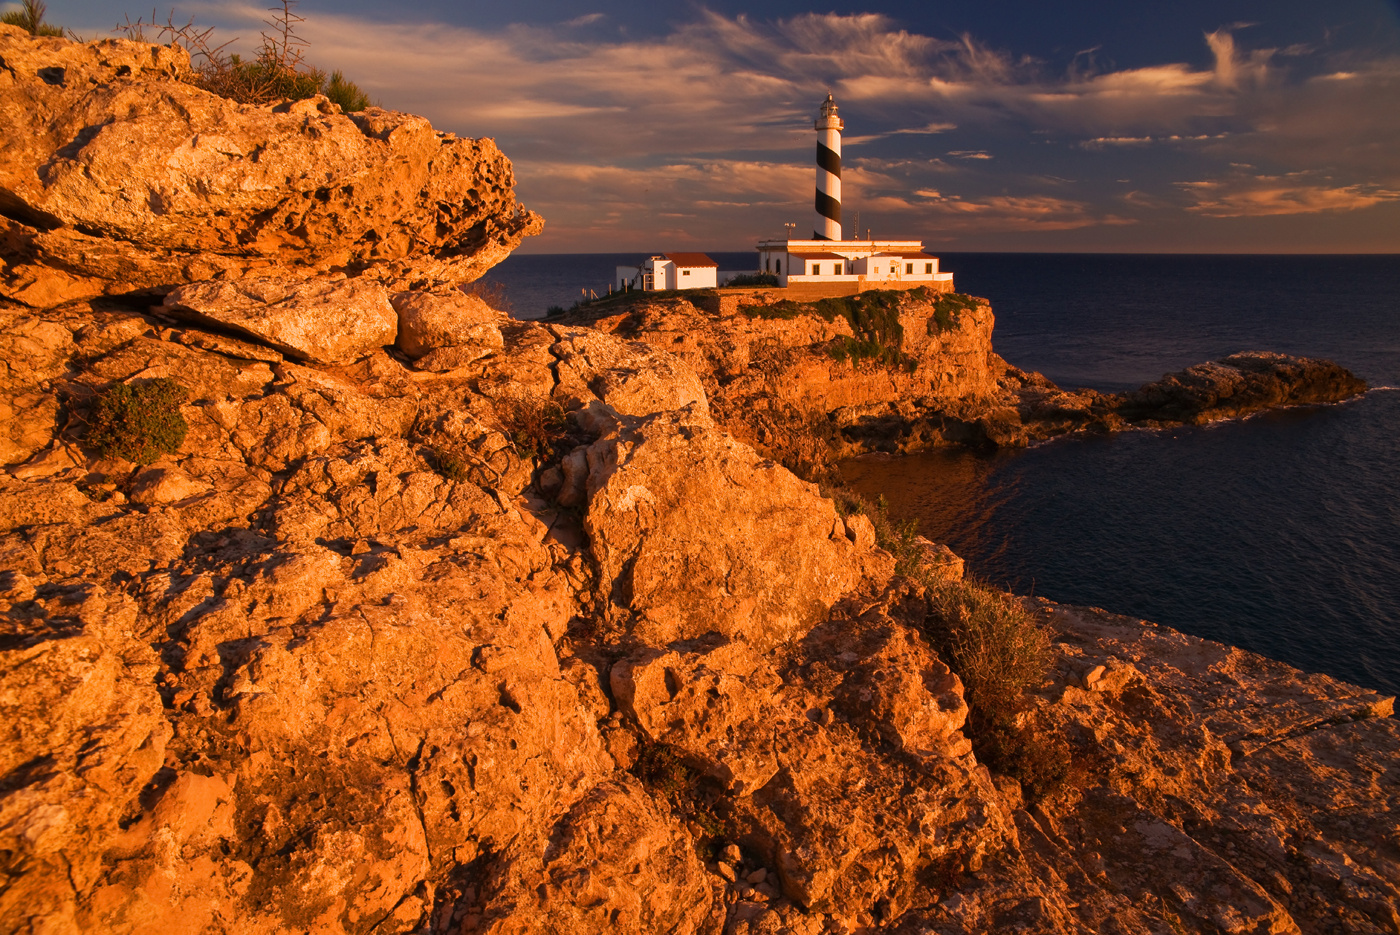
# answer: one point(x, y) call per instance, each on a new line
point(879, 262)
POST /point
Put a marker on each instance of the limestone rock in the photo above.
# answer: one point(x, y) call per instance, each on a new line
point(165, 485)
point(695, 533)
point(630, 376)
point(431, 321)
point(1239, 385)
point(714, 703)
point(119, 175)
point(617, 862)
point(324, 322)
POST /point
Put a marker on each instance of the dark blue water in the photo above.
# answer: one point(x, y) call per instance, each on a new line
point(1279, 533)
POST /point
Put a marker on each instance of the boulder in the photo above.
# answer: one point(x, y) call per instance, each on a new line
point(714, 703)
point(430, 321)
point(618, 862)
point(119, 174)
point(318, 321)
point(695, 533)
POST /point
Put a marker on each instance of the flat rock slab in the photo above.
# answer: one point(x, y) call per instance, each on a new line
point(317, 321)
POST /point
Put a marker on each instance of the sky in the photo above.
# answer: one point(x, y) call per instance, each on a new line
point(1231, 126)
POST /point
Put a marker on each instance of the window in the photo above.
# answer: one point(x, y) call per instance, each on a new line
point(777, 266)
point(909, 268)
point(928, 267)
point(816, 269)
point(766, 261)
point(837, 271)
point(894, 268)
point(685, 272)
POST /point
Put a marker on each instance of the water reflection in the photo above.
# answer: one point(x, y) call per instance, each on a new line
point(955, 494)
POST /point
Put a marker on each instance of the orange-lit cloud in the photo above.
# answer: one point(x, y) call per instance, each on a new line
point(1272, 195)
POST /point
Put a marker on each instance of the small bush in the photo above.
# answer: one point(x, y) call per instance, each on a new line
point(534, 425)
point(661, 769)
point(452, 465)
point(139, 422)
point(345, 93)
point(30, 18)
point(754, 279)
point(277, 72)
point(1001, 654)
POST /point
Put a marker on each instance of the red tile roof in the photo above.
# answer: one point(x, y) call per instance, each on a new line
point(691, 260)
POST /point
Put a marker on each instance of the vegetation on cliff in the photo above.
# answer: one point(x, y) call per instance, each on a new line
point(278, 70)
point(139, 422)
point(30, 18)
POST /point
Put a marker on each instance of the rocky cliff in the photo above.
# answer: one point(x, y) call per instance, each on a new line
point(420, 619)
point(903, 371)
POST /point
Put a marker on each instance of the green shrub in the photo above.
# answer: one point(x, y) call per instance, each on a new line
point(873, 316)
point(345, 93)
point(139, 422)
point(30, 18)
point(451, 465)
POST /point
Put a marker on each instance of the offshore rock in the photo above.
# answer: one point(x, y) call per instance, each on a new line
point(117, 175)
point(1238, 385)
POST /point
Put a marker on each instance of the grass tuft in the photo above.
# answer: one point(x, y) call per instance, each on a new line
point(535, 425)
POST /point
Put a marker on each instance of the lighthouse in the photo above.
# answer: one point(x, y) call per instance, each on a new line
point(805, 270)
point(829, 128)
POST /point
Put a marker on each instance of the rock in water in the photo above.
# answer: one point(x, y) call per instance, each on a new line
point(1238, 385)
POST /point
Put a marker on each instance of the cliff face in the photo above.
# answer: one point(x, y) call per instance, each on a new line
point(900, 372)
point(434, 621)
point(116, 176)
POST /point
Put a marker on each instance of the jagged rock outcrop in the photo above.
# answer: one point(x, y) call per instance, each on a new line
point(782, 378)
point(439, 622)
point(116, 175)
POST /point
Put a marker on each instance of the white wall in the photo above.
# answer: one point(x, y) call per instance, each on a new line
point(696, 277)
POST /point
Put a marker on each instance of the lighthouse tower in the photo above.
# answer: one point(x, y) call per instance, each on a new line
point(829, 128)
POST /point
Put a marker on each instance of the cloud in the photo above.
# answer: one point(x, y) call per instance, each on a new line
point(1263, 196)
point(970, 154)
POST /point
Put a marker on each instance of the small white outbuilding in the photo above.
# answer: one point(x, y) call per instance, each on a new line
point(670, 271)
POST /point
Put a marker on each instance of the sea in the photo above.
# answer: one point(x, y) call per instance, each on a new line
point(1278, 533)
